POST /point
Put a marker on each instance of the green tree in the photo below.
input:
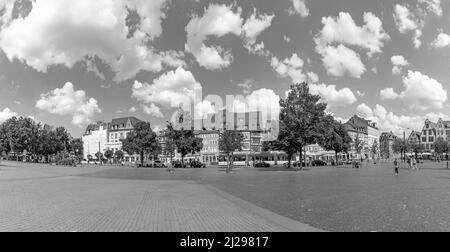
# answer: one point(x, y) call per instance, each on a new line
point(400, 147)
point(170, 136)
point(76, 147)
point(335, 137)
point(187, 143)
point(142, 140)
point(99, 156)
point(358, 146)
point(300, 119)
point(119, 155)
point(440, 147)
point(109, 154)
point(375, 150)
point(230, 141)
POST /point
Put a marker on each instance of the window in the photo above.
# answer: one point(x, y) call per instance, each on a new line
point(424, 139)
point(431, 139)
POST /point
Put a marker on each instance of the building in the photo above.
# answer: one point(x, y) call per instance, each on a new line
point(387, 140)
point(210, 152)
point(366, 131)
point(118, 130)
point(431, 132)
point(95, 139)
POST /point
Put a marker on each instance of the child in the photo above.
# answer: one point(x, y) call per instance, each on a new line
point(396, 167)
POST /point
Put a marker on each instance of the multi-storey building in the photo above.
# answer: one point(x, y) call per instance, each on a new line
point(95, 139)
point(118, 130)
point(387, 140)
point(431, 132)
point(366, 131)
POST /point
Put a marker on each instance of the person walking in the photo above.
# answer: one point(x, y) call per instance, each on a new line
point(415, 164)
point(396, 167)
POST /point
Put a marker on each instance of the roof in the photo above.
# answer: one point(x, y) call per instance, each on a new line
point(123, 121)
point(95, 126)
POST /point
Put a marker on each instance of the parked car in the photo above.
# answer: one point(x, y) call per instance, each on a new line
point(159, 164)
point(178, 164)
point(197, 164)
point(261, 165)
point(319, 163)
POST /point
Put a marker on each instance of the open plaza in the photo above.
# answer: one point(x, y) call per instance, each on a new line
point(41, 197)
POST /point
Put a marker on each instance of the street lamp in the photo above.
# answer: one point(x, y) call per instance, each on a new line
point(404, 142)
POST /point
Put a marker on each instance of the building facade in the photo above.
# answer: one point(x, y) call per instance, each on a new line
point(366, 131)
point(95, 140)
point(387, 140)
point(117, 131)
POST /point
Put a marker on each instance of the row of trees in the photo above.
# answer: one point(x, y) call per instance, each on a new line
point(20, 135)
point(143, 141)
point(304, 121)
point(402, 147)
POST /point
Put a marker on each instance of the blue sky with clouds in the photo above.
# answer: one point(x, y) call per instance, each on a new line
point(73, 62)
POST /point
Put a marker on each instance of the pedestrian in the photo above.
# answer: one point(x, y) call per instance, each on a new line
point(414, 161)
point(396, 167)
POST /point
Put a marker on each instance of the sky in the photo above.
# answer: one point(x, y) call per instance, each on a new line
point(71, 63)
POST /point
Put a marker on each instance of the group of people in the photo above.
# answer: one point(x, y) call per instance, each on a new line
point(412, 165)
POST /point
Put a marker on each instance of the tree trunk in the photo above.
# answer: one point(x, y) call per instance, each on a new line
point(301, 159)
point(228, 164)
point(142, 158)
point(290, 161)
point(336, 162)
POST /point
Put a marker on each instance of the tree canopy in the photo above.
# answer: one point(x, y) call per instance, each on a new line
point(142, 140)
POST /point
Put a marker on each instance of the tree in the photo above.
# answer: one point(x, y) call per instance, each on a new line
point(301, 116)
point(76, 147)
point(440, 147)
point(358, 146)
point(99, 156)
point(416, 148)
point(187, 143)
point(170, 136)
point(375, 150)
point(142, 140)
point(400, 147)
point(229, 142)
point(335, 137)
point(119, 155)
point(109, 154)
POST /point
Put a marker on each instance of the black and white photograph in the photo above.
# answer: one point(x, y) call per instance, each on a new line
point(224, 122)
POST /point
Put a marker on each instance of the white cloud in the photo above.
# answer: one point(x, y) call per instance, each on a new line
point(332, 96)
point(255, 25)
point(153, 110)
point(388, 94)
point(132, 110)
point(404, 19)
point(287, 39)
point(266, 101)
point(172, 90)
point(67, 101)
point(246, 86)
point(337, 32)
point(443, 40)
point(6, 114)
point(398, 62)
point(217, 21)
point(300, 8)
point(422, 92)
point(290, 67)
point(343, 29)
point(433, 6)
point(63, 32)
point(340, 61)
point(364, 111)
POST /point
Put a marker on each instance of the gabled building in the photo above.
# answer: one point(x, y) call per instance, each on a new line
point(367, 132)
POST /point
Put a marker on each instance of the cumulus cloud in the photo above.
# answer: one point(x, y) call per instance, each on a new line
point(332, 96)
point(422, 92)
point(299, 7)
point(67, 101)
point(342, 30)
point(153, 110)
point(217, 21)
point(388, 94)
point(413, 19)
point(290, 67)
point(63, 32)
point(171, 90)
point(6, 114)
point(255, 25)
point(340, 61)
point(443, 40)
point(388, 121)
point(398, 62)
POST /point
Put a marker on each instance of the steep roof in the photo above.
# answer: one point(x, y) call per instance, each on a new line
point(123, 121)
